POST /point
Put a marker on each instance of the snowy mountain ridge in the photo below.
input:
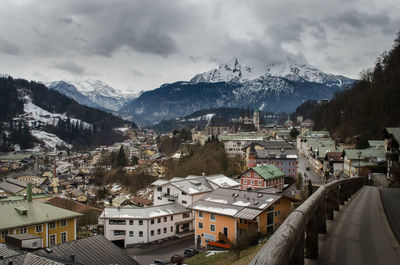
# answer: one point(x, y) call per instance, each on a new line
point(234, 71)
point(94, 93)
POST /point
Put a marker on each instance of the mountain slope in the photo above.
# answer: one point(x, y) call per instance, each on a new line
point(93, 93)
point(35, 110)
point(277, 88)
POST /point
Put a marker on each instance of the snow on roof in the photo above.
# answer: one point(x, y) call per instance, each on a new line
point(216, 200)
point(241, 203)
point(218, 210)
point(159, 182)
point(222, 181)
point(131, 212)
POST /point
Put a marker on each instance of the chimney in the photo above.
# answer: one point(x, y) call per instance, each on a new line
point(28, 192)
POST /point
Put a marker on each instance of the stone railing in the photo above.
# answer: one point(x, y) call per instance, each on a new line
point(297, 237)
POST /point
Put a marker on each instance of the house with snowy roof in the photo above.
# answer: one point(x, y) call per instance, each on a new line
point(186, 191)
point(130, 225)
point(224, 215)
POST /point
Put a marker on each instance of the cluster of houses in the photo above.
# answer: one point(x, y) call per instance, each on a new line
point(330, 159)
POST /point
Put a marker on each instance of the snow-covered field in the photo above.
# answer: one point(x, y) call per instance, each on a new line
point(49, 139)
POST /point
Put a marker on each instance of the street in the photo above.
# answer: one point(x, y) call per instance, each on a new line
point(302, 165)
point(146, 255)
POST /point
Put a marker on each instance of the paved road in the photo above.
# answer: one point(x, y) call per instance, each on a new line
point(359, 234)
point(390, 200)
point(164, 251)
point(302, 165)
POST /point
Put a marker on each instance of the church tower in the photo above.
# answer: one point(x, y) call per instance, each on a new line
point(252, 156)
point(256, 119)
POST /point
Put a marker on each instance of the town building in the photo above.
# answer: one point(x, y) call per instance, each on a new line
point(355, 159)
point(17, 187)
point(392, 143)
point(260, 177)
point(224, 215)
point(54, 225)
point(130, 225)
point(186, 191)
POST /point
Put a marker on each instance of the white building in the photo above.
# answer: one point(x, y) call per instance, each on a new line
point(127, 226)
point(186, 191)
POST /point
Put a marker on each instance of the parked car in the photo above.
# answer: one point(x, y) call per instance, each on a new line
point(176, 259)
point(190, 252)
point(160, 261)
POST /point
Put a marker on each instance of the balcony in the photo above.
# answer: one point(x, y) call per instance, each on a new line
point(169, 195)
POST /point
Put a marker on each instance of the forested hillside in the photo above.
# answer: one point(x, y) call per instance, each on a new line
point(84, 126)
point(362, 112)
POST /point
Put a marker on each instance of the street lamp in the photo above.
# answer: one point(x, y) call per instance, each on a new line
point(359, 162)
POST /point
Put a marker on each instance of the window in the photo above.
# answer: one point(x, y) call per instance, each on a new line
point(152, 221)
point(38, 228)
point(212, 217)
point(119, 232)
point(140, 233)
point(165, 219)
point(201, 214)
point(117, 222)
point(259, 182)
point(200, 225)
point(52, 240)
point(172, 229)
point(159, 220)
point(34, 244)
point(165, 230)
point(184, 202)
point(159, 189)
point(140, 222)
point(159, 198)
point(245, 181)
point(172, 217)
point(184, 193)
point(63, 237)
point(212, 228)
point(63, 222)
point(158, 231)
point(4, 234)
point(22, 230)
point(130, 222)
point(131, 233)
point(186, 215)
point(152, 232)
point(252, 182)
point(52, 225)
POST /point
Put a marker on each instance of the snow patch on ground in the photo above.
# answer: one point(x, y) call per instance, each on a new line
point(213, 252)
point(49, 139)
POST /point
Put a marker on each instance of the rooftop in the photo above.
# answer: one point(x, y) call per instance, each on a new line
point(236, 203)
point(25, 213)
point(132, 212)
point(268, 172)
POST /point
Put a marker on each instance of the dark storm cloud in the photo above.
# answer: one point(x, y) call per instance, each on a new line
point(70, 67)
point(8, 47)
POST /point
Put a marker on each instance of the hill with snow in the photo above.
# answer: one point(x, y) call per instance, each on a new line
point(275, 88)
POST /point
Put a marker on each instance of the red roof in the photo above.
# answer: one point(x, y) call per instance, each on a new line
point(71, 205)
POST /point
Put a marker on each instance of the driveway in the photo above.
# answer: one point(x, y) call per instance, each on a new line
point(145, 255)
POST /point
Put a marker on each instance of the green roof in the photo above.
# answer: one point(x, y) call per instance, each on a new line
point(20, 198)
point(395, 132)
point(36, 213)
point(367, 153)
point(375, 143)
point(268, 172)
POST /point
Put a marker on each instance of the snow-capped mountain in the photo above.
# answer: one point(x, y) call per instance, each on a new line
point(97, 93)
point(234, 71)
point(275, 88)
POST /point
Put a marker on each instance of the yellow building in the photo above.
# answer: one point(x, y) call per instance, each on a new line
point(224, 215)
point(53, 224)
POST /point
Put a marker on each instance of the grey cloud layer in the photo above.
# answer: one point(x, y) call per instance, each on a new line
point(80, 37)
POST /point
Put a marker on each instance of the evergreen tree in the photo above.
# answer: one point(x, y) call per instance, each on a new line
point(121, 158)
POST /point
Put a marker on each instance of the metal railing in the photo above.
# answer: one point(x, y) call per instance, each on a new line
point(297, 237)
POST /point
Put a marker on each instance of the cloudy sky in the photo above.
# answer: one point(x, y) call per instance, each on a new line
point(141, 44)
